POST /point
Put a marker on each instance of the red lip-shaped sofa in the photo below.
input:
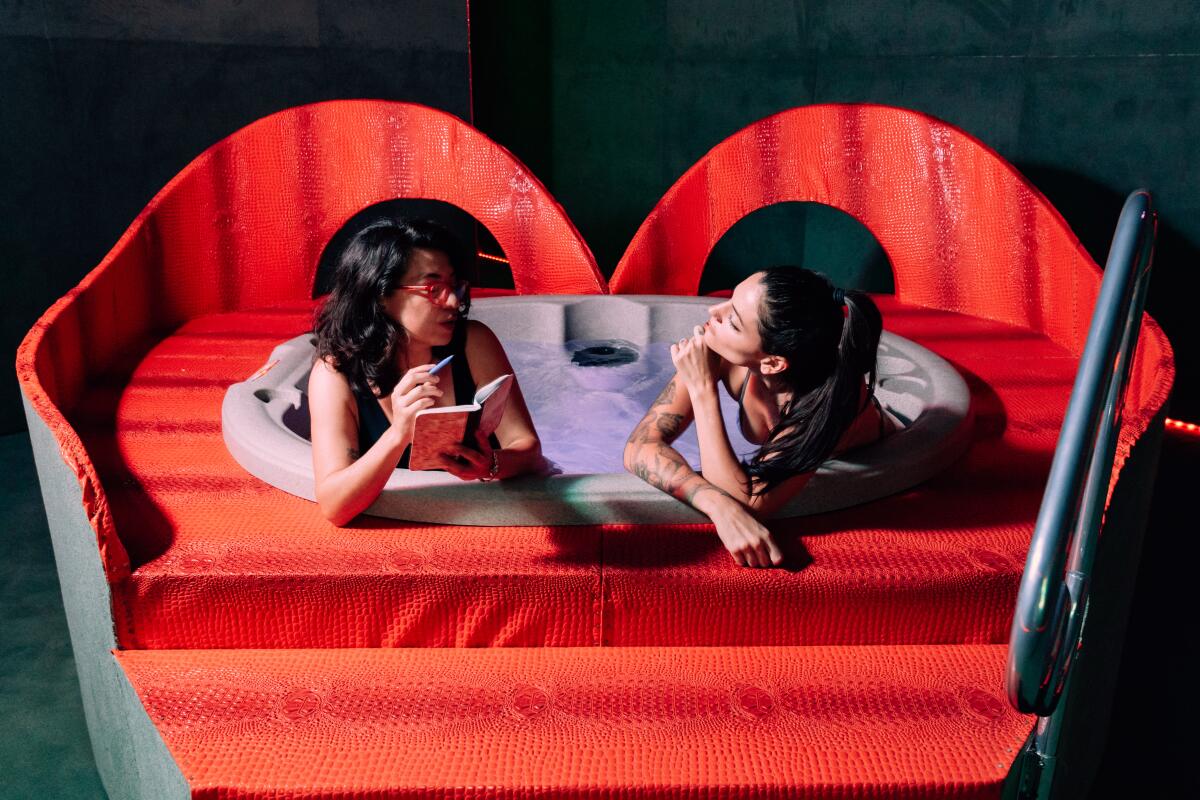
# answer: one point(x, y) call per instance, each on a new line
point(232, 643)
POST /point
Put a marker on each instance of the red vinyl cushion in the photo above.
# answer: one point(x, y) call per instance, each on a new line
point(928, 722)
point(243, 225)
point(223, 560)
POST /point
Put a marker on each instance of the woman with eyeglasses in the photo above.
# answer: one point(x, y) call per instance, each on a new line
point(397, 307)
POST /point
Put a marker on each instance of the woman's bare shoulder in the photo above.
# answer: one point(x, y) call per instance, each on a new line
point(479, 333)
point(482, 342)
point(327, 368)
point(326, 379)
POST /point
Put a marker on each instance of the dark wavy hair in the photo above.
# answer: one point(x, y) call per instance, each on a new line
point(829, 352)
point(351, 327)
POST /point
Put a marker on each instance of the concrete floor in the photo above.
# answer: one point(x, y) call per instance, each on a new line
point(44, 748)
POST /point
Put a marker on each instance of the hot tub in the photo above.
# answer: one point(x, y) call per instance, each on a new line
point(266, 428)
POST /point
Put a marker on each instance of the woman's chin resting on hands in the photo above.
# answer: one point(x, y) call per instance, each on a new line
point(799, 356)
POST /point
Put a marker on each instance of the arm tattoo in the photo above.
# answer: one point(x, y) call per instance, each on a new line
point(657, 426)
point(698, 487)
point(661, 466)
point(669, 426)
point(668, 470)
point(666, 396)
point(655, 461)
point(641, 433)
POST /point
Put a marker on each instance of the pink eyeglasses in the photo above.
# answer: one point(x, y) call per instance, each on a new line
point(438, 292)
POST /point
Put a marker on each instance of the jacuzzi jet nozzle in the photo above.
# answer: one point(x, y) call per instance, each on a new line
point(607, 354)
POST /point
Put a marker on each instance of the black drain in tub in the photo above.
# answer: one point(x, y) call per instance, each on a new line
point(605, 354)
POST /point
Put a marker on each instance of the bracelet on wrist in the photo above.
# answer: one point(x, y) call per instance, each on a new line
point(494, 470)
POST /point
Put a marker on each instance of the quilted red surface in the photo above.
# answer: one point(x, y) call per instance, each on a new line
point(242, 225)
point(927, 722)
point(223, 560)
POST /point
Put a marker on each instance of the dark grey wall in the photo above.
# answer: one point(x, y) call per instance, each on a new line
point(103, 102)
point(608, 104)
point(1089, 98)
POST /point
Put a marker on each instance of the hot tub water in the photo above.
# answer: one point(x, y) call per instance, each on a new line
point(584, 414)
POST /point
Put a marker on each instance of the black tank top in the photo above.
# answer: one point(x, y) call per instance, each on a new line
point(373, 423)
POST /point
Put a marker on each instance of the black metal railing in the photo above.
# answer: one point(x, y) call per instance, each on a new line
point(1052, 603)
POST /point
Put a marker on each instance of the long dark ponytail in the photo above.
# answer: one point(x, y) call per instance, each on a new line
point(352, 327)
point(829, 352)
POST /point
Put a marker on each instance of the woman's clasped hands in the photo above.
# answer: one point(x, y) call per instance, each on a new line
point(694, 361)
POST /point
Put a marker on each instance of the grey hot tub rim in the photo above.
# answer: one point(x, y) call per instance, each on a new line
point(265, 417)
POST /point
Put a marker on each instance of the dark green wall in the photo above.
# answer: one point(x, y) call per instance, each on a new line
point(104, 102)
point(610, 103)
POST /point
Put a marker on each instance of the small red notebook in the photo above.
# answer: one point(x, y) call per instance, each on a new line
point(438, 429)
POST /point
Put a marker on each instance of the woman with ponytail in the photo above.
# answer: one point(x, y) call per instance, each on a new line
point(799, 355)
point(398, 305)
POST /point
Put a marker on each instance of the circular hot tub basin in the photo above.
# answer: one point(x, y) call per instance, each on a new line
point(266, 427)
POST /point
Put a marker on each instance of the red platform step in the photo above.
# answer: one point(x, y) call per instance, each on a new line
point(819, 722)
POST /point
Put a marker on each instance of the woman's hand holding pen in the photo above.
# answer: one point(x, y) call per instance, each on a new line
point(417, 390)
point(695, 362)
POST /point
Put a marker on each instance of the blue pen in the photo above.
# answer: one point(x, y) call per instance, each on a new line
point(441, 364)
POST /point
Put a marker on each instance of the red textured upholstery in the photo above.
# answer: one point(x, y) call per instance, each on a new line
point(243, 225)
point(223, 560)
point(218, 269)
point(964, 231)
point(896, 722)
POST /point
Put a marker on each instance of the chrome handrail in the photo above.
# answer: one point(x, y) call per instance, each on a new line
point(1052, 602)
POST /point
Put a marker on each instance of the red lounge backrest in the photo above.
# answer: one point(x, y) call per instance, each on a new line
point(964, 231)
